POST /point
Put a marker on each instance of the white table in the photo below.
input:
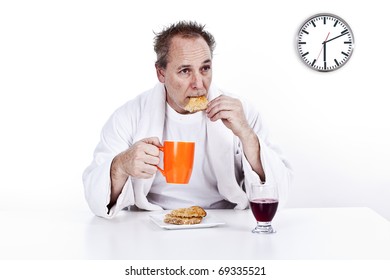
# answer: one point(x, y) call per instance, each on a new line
point(308, 233)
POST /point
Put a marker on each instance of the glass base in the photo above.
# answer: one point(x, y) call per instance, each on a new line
point(263, 227)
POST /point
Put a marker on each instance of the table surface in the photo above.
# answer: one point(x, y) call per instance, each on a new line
point(302, 233)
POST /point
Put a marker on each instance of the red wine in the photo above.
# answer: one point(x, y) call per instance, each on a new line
point(264, 209)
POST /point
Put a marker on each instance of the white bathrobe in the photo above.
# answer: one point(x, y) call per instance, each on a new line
point(144, 117)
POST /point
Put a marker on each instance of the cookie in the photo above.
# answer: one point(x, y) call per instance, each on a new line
point(182, 221)
point(185, 216)
point(196, 104)
point(193, 211)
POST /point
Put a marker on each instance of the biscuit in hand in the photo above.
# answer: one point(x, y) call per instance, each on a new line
point(196, 104)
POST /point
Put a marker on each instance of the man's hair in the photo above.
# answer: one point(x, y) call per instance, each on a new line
point(184, 29)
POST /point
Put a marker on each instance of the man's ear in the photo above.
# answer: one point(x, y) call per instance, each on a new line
point(160, 73)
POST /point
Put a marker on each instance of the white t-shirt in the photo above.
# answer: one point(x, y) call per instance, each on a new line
point(202, 188)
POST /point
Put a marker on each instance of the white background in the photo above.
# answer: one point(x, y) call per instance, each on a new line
point(65, 66)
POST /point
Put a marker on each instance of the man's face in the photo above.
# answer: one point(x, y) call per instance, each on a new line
point(188, 72)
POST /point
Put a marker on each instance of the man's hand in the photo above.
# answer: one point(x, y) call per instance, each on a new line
point(229, 110)
point(139, 161)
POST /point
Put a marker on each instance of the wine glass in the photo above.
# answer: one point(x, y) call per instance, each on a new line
point(263, 200)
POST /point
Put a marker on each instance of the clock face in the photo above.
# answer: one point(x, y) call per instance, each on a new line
point(325, 42)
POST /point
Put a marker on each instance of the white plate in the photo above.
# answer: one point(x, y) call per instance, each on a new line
point(208, 221)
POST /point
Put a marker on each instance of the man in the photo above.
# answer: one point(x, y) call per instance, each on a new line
point(232, 148)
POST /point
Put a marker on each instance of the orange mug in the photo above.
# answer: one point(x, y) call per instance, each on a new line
point(178, 161)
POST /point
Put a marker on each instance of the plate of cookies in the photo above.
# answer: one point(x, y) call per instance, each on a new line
point(185, 218)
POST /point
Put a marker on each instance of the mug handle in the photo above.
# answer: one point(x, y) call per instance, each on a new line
point(161, 170)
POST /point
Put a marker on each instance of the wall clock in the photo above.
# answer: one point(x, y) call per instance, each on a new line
point(325, 42)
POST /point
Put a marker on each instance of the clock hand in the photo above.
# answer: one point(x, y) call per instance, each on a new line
point(323, 46)
point(324, 56)
point(334, 38)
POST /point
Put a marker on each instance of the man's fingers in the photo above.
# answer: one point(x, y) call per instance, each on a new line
point(144, 171)
point(153, 141)
point(152, 160)
point(221, 104)
point(149, 169)
point(151, 146)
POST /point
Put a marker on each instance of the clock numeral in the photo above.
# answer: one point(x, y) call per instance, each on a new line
point(344, 31)
point(344, 53)
point(304, 31)
point(305, 54)
point(314, 61)
point(324, 64)
point(337, 21)
point(347, 42)
point(324, 20)
point(301, 43)
point(337, 63)
point(312, 22)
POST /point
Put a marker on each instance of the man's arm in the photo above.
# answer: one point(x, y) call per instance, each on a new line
point(251, 147)
point(139, 161)
point(229, 110)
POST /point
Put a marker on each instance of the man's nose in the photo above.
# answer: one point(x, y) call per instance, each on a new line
point(197, 81)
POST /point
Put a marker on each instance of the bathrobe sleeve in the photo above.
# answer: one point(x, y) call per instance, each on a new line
point(276, 167)
point(116, 136)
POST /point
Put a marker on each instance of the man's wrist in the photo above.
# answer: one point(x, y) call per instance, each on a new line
point(247, 135)
point(116, 171)
point(118, 179)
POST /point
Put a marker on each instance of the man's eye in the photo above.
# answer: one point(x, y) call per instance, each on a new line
point(184, 71)
point(206, 68)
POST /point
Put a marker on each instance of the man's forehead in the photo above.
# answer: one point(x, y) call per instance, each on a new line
point(189, 50)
